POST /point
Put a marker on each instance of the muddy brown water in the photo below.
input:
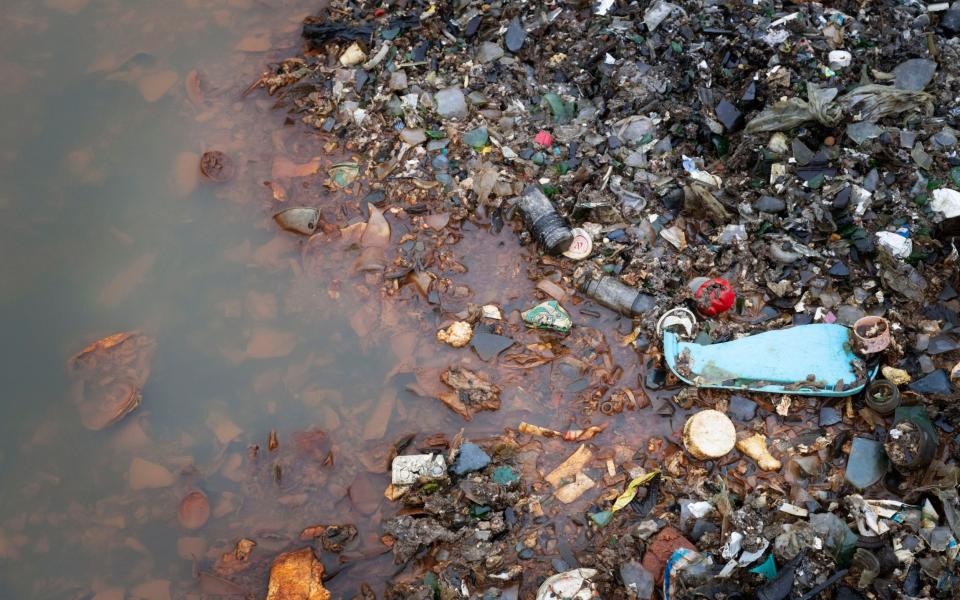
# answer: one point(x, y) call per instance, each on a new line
point(108, 226)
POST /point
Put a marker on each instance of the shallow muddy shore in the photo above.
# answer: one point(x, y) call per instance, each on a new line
point(299, 244)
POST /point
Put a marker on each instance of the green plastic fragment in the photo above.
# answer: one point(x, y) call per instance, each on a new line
point(548, 315)
point(430, 580)
point(343, 174)
point(602, 518)
point(848, 231)
point(955, 176)
point(436, 134)
point(476, 138)
point(504, 476)
point(816, 182)
point(768, 568)
point(539, 158)
point(389, 34)
point(562, 111)
point(720, 145)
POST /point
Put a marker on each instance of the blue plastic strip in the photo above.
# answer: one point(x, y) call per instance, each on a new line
point(807, 360)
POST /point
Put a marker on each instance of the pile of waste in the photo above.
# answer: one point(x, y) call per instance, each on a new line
point(768, 194)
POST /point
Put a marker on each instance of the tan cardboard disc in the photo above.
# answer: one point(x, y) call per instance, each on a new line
point(709, 434)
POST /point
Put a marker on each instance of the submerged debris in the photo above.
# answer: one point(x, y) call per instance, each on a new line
point(297, 575)
point(472, 392)
point(194, 510)
point(298, 219)
point(217, 166)
point(110, 374)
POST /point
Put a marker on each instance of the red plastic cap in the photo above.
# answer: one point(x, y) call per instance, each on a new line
point(714, 296)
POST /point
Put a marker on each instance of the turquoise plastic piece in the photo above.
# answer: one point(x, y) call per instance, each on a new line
point(767, 568)
point(806, 360)
point(603, 518)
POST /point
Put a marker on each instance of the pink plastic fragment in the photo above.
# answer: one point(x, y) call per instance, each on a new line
point(544, 139)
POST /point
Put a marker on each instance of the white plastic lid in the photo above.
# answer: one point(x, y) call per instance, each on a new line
point(581, 246)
